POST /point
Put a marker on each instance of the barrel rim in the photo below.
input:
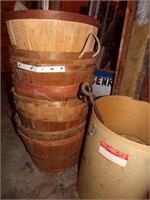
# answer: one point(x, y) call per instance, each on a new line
point(52, 14)
point(113, 134)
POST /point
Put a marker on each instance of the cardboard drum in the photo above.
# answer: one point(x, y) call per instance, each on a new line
point(116, 157)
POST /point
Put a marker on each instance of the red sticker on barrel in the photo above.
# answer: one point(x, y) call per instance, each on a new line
point(113, 155)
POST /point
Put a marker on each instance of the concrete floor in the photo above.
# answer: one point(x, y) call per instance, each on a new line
point(20, 178)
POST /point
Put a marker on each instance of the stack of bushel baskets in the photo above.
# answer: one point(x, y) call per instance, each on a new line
point(51, 54)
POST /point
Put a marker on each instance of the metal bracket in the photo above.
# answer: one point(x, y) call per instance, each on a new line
point(93, 130)
point(43, 69)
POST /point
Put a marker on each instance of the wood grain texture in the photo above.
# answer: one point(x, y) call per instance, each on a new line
point(125, 39)
point(135, 67)
point(51, 135)
point(54, 155)
point(44, 109)
point(69, 77)
point(51, 33)
point(52, 125)
point(51, 93)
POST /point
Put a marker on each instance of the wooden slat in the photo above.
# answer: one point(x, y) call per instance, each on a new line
point(20, 33)
point(36, 33)
point(51, 33)
point(11, 33)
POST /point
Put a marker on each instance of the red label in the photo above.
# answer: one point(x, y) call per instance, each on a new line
point(114, 151)
point(112, 154)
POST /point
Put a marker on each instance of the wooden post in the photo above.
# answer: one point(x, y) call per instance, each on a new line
point(44, 4)
point(128, 23)
point(55, 5)
point(92, 8)
point(133, 55)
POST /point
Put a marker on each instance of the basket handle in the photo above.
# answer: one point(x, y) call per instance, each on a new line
point(86, 43)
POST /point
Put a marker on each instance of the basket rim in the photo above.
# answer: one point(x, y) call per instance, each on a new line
point(52, 14)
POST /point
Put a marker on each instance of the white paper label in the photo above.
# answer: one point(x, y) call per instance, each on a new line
point(113, 155)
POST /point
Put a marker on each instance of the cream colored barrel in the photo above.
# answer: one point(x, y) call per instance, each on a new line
point(116, 157)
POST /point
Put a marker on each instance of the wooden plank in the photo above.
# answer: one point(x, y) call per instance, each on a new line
point(125, 39)
point(92, 8)
point(144, 96)
point(140, 83)
point(135, 68)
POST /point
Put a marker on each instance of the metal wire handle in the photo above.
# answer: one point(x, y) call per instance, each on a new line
point(87, 90)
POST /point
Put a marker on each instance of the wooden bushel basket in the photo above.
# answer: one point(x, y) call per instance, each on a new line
point(51, 93)
point(46, 109)
point(43, 115)
point(43, 57)
point(71, 76)
point(54, 155)
point(49, 135)
point(57, 124)
point(54, 31)
point(51, 86)
point(51, 68)
point(52, 53)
